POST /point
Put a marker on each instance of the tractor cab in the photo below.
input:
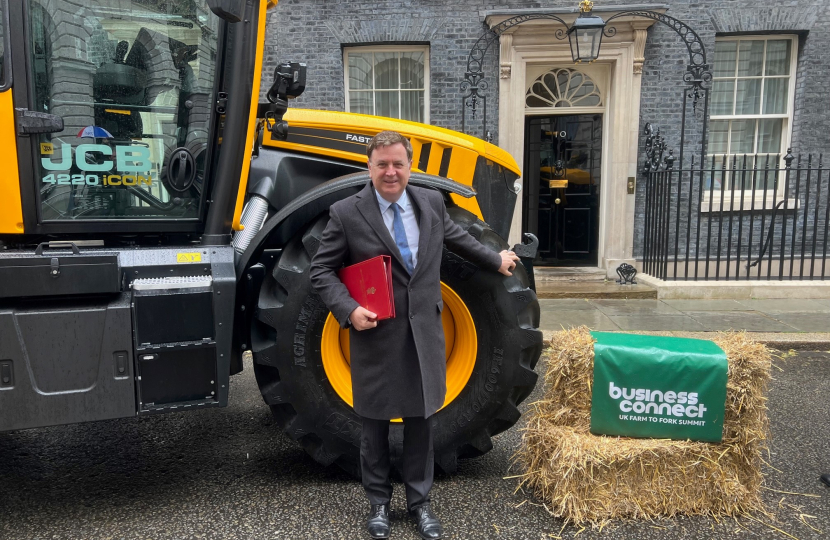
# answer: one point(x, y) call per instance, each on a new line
point(116, 123)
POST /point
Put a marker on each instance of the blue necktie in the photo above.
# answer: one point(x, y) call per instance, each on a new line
point(400, 238)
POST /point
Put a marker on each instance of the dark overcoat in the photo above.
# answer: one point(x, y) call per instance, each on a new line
point(399, 367)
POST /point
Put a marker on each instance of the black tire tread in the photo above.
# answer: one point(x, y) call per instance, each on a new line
point(290, 275)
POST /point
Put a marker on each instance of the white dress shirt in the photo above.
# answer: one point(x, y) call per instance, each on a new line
point(410, 224)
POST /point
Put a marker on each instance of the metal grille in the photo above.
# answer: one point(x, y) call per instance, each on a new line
point(745, 217)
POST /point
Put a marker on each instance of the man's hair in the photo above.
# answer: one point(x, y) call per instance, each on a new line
point(388, 138)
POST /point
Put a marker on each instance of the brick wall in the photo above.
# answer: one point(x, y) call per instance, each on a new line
point(314, 31)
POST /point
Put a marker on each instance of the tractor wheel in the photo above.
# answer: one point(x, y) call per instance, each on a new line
point(301, 356)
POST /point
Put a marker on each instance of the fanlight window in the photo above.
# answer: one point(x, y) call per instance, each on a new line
point(563, 88)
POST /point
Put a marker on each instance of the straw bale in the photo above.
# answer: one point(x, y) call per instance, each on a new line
point(587, 478)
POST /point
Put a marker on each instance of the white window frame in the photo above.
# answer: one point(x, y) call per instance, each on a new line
point(761, 196)
point(386, 49)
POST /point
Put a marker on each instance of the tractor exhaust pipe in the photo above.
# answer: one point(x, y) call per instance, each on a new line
point(253, 216)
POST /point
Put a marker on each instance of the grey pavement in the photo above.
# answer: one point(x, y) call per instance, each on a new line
point(229, 474)
point(783, 323)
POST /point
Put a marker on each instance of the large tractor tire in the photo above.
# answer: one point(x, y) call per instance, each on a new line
point(301, 355)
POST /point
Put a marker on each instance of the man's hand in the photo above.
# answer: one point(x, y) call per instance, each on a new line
point(363, 319)
point(508, 262)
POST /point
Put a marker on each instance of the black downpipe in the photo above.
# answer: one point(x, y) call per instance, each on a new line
point(234, 135)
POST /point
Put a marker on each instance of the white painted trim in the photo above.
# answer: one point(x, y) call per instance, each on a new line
point(565, 111)
point(621, 96)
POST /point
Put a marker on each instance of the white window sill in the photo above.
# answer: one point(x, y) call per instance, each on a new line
point(759, 204)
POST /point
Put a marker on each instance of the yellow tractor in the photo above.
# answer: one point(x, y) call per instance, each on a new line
point(157, 222)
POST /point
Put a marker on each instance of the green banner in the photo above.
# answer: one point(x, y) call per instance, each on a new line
point(658, 387)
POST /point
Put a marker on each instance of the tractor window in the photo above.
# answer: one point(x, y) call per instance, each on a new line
point(133, 82)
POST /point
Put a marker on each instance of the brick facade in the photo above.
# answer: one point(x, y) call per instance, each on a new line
point(315, 31)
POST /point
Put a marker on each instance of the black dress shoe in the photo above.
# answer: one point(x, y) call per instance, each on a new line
point(429, 526)
point(378, 522)
point(825, 478)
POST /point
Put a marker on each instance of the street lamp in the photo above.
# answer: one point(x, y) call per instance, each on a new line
point(585, 35)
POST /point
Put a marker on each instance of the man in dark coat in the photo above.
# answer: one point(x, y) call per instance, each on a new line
point(398, 365)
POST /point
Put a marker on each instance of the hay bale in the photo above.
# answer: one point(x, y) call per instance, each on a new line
point(587, 478)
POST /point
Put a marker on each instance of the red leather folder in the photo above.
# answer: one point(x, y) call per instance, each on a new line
point(370, 284)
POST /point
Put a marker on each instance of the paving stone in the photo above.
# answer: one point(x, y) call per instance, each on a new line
point(593, 319)
point(656, 322)
point(784, 305)
point(632, 307)
point(738, 320)
point(805, 322)
point(552, 305)
point(706, 305)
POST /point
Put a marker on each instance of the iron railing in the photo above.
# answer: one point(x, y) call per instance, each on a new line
point(737, 217)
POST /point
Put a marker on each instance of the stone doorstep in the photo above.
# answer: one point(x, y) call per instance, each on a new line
point(781, 341)
point(568, 273)
point(584, 282)
point(735, 290)
point(593, 289)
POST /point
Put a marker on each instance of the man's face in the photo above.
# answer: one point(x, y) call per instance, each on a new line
point(389, 169)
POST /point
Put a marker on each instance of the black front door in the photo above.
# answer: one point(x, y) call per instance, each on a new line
point(562, 185)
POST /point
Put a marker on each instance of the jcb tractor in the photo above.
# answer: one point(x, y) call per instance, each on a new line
point(157, 222)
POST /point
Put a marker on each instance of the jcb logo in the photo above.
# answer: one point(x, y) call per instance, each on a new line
point(88, 158)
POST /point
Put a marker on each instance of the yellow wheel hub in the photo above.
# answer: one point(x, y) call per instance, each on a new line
point(461, 349)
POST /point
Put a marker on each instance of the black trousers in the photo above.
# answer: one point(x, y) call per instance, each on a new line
point(418, 461)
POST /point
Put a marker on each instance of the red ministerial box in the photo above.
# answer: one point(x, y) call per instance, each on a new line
point(370, 284)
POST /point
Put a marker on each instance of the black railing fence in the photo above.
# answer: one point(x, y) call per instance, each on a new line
point(737, 217)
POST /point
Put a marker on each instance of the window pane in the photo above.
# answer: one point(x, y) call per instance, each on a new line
point(714, 175)
point(723, 96)
point(533, 101)
point(718, 136)
point(741, 174)
point(775, 95)
point(726, 54)
point(360, 71)
point(563, 78)
point(361, 102)
point(778, 57)
point(412, 70)
point(750, 58)
point(412, 105)
point(386, 70)
point(584, 93)
point(575, 87)
point(386, 104)
point(769, 135)
point(548, 87)
point(743, 136)
point(133, 81)
point(591, 100)
point(766, 178)
point(748, 100)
